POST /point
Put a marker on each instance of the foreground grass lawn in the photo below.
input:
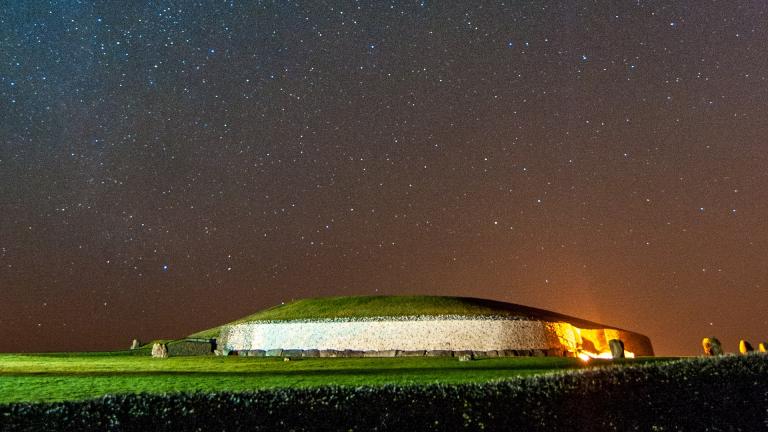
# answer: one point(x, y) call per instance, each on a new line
point(72, 377)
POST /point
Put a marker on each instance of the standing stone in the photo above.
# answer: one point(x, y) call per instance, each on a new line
point(712, 346)
point(745, 347)
point(135, 344)
point(160, 350)
point(763, 347)
point(617, 348)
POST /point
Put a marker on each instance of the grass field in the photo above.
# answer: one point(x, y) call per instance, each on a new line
point(79, 376)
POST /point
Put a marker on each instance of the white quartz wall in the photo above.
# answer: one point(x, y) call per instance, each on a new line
point(382, 335)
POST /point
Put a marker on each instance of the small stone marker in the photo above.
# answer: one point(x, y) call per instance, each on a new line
point(617, 348)
point(159, 350)
point(135, 344)
point(465, 357)
point(745, 347)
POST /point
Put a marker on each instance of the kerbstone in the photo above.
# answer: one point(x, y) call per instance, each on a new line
point(311, 353)
point(293, 353)
point(438, 353)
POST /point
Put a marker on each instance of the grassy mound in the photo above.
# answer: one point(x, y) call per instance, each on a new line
point(376, 306)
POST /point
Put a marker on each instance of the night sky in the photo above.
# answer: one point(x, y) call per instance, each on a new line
point(169, 166)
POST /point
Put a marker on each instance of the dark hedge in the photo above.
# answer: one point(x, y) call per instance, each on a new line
point(717, 394)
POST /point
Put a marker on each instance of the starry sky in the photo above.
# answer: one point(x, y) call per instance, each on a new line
point(167, 166)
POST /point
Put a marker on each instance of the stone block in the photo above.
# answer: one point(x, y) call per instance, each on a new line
point(135, 344)
point(329, 353)
point(762, 347)
point(462, 353)
point(352, 353)
point(506, 353)
point(274, 353)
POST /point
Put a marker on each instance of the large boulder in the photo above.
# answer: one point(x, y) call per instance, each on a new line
point(712, 346)
point(135, 344)
point(617, 348)
point(160, 350)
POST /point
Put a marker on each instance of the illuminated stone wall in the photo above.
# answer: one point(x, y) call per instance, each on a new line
point(427, 333)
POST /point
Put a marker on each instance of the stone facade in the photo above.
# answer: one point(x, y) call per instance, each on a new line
point(426, 336)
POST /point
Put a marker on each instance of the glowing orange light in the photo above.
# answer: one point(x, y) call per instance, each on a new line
point(587, 343)
point(586, 355)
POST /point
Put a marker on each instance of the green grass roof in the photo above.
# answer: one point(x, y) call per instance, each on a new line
point(377, 306)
